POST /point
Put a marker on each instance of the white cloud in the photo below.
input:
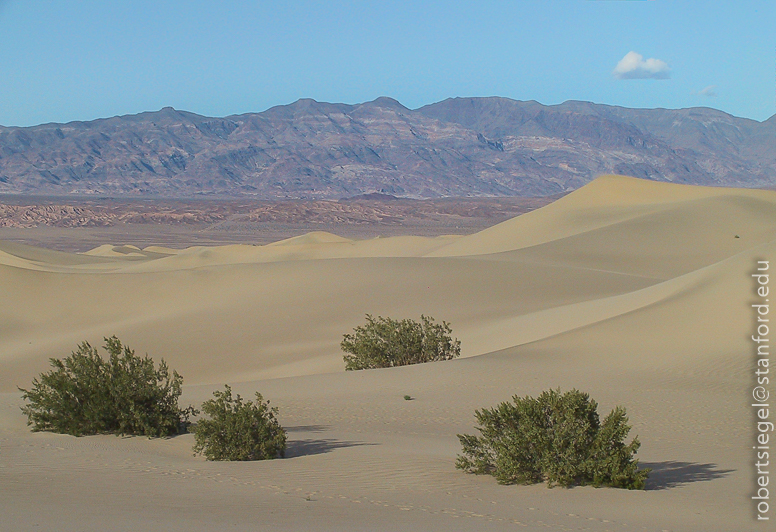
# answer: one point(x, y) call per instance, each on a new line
point(634, 66)
point(709, 92)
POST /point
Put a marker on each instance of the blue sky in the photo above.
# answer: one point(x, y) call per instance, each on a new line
point(84, 59)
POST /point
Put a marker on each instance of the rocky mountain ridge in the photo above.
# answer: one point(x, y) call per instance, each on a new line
point(316, 150)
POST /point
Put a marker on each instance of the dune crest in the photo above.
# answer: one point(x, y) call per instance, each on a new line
point(607, 201)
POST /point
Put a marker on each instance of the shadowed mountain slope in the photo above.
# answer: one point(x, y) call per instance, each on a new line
point(458, 147)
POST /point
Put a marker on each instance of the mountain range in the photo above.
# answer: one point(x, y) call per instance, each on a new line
point(315, 150)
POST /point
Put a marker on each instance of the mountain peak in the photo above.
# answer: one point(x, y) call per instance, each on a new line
point(305, 106)
point(386, 102)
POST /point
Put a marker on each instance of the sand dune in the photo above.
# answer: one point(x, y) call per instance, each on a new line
point(637, 292)
point(645, 210)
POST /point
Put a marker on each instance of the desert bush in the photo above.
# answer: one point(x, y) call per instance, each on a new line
point(238, 430)
point(555, 437)
point(126, 394)
point(385, 343)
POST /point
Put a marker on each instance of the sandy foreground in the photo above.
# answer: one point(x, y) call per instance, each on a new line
point(636, 292)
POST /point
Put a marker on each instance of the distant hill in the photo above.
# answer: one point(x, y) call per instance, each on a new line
point(457, 147)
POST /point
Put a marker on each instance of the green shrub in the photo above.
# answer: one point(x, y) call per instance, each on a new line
point(555, 437)
point(85, 394)
point(385, 343)
point(238, 430)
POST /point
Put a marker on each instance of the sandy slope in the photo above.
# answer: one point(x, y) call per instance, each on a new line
point(637, 292)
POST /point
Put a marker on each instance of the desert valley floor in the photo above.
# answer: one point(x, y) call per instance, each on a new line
point(636, 292)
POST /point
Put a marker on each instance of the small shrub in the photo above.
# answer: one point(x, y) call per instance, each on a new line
point(238, 430)
point(385, 343)
point(408, 398)
point(85, 394)
point(555, 437)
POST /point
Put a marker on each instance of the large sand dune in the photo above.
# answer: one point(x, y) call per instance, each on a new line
point(637, 292)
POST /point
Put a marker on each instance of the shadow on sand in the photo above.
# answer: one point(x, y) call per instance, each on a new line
point(672, 474)
point(306, 447)
point(307, 428)
point(296, 448)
